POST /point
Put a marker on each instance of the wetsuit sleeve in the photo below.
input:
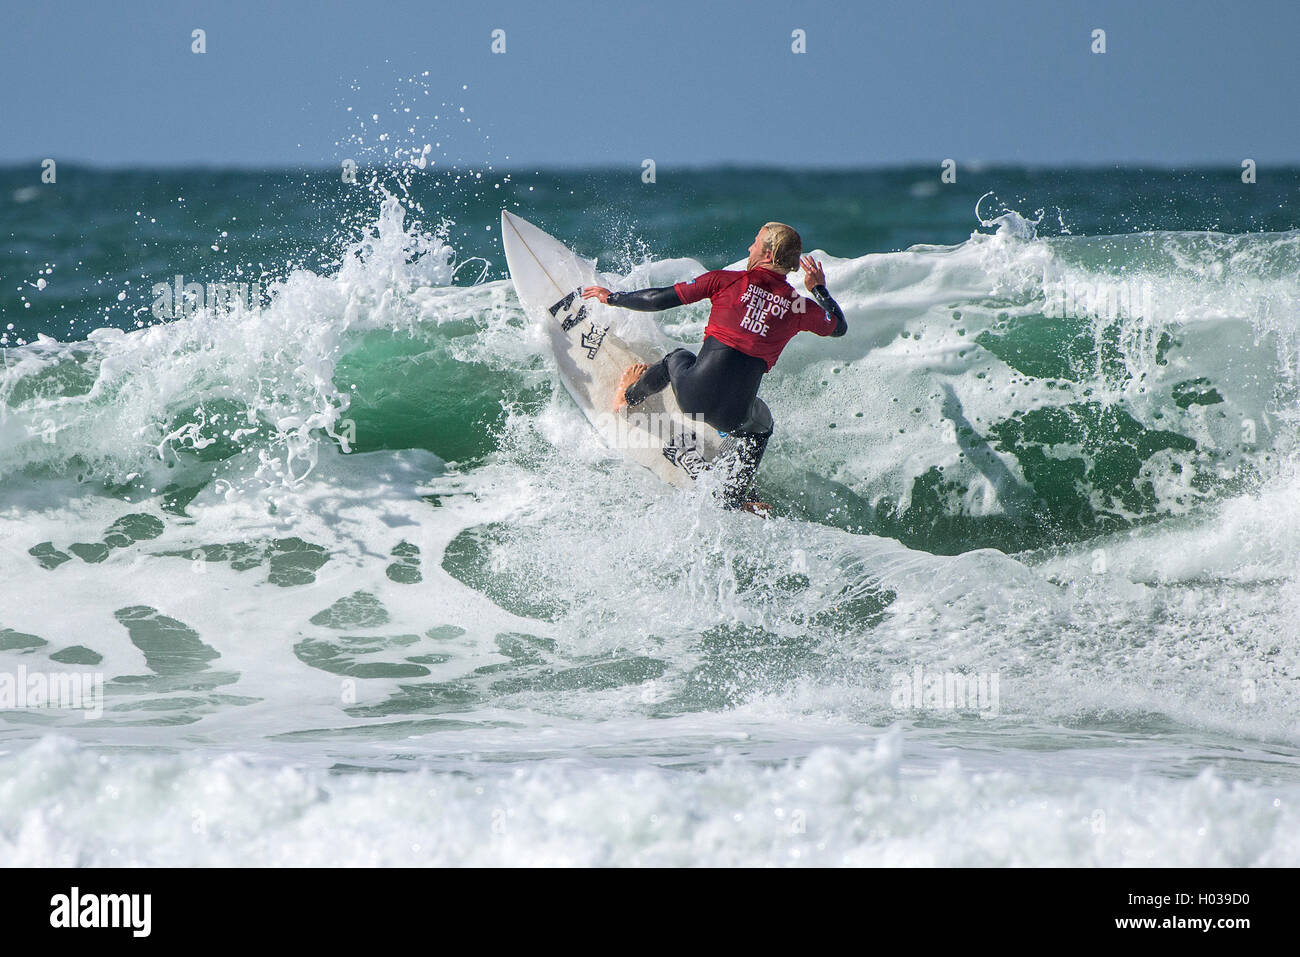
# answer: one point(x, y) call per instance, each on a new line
point(646, 300)
point(828, 318)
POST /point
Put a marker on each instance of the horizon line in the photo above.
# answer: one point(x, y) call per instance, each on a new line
point(708, 167)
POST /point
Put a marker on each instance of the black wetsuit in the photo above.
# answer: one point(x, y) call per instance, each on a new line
point(720, 385)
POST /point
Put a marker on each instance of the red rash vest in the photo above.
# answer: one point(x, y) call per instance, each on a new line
point(755, 311)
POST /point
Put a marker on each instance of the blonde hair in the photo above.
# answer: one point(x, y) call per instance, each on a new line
point(784, 244)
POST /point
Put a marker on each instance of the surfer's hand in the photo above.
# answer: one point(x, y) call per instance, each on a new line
point(596, 292)
point(813, 276)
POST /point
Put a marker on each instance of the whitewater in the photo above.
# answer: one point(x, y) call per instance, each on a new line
point(364, 587)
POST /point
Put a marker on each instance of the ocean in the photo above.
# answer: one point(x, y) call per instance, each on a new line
point(307, 557)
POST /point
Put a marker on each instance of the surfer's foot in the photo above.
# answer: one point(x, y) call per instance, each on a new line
point(761, 509)
point(630, 375)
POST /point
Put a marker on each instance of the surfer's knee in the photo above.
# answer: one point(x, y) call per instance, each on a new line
point(758, 421)
point(678, 362)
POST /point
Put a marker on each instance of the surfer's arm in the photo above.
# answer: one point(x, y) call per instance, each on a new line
point(814, 280)
point(823, 297)
point(641, 300)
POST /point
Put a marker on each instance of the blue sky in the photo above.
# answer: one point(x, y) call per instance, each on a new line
point(684, 83)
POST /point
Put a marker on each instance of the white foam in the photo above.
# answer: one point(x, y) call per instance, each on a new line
point(65, 807)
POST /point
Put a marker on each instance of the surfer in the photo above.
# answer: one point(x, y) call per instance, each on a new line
point(755, 312)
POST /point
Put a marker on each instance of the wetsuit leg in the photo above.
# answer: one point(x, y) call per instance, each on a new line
point(656, 378)
point(718, 386)
point(743, 452)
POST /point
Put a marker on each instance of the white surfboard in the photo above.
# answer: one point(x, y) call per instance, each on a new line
point(548, 278)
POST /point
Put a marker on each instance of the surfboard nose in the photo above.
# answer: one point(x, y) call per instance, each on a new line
point(512, 225)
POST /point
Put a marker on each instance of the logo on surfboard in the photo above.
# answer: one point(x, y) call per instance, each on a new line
point(592, 340)
point(571, 318)
point(685, 456)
